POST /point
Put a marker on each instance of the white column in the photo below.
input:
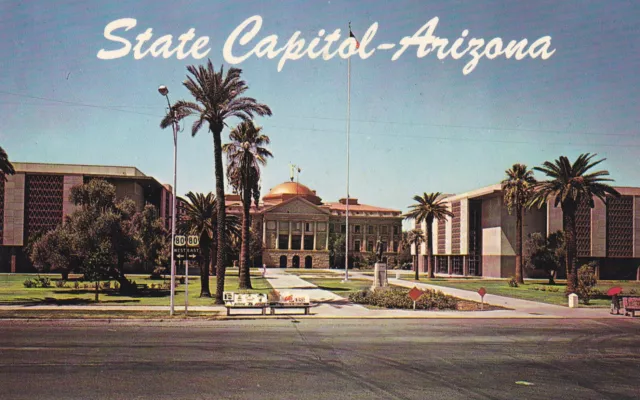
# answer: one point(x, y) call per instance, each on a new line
point(303, 227)
point(315, 234)
point(278, 234)
point(264, 231)
point(326, 246)
point(290, 222)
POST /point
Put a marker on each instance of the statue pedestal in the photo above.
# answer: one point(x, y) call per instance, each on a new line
point(380, 276)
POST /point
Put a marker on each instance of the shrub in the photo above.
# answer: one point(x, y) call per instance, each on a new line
point(106, 285)
point(512, 282)
point(116, 286)
point(43, 282)
point(29, 284)
point(157, 273)
point(76, 285)
point(586, 283)
point(181, 280)
point(399, 298)
point(61, 283)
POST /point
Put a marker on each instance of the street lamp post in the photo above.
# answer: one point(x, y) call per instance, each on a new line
point(165, 92)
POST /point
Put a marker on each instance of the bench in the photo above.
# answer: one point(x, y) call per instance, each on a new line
point(288, 301)
point(631, 304)
point(239, 301)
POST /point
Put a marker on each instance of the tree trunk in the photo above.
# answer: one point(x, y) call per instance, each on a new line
point(519, 272)
point(245, 272)
point(97, 290)
point(416, 265)
point(430, 271)
point(65, 274)
point(204, 275)
point(569, 227)
point(213, 254)
point(552, 277)
point(220, 204)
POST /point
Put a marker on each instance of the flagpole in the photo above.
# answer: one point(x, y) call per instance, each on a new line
point(346, 244)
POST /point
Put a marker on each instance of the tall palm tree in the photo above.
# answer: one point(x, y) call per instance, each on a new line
point(570, 185)
point(416, 237)
point(245, 155)
point(201, 219)
point(6, 168)
point(218, 96)
point(518, 189)
point(428, 207)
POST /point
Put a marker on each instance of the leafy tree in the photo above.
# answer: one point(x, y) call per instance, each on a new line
point(54, 252)
point(546, 254)
point(246, 154)
point(518, 190)
point(586, 283)
point(416, 237)
point(336, 249)
point(218, 97)
point(570, 185)
point(428, 207)
point(6, 168)
point(153, 239)
point(404, 252)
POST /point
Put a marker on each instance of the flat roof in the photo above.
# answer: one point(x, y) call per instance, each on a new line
point(78, 169)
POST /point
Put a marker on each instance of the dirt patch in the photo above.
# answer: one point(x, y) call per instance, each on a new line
point(466, 305)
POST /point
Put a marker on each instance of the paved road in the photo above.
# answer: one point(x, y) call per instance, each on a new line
point(321, 359)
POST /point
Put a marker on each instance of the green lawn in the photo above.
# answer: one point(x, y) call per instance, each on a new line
point(12, 291)
point(527, 292)
point(340, 288)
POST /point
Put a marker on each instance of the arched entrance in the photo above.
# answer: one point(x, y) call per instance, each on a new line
point(308, 262)
point(295, 262)
point(283, 261)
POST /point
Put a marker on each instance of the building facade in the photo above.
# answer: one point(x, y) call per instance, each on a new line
point(36, 199)
point(296, 226)
point(480, 238)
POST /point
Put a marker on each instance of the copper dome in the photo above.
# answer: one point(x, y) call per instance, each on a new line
point(287, 190)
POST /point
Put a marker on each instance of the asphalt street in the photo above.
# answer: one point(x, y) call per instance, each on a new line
point(322, 359)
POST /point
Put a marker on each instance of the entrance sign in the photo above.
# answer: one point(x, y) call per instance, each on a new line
point(244, 299)
point(293, 300)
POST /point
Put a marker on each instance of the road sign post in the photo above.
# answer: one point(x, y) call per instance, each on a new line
point(186, 248)
point(482, 291)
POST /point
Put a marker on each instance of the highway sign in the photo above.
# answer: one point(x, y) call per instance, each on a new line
point(179, 241)
point(193, 241)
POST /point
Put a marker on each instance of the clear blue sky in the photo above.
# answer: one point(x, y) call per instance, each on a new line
point(417, 124)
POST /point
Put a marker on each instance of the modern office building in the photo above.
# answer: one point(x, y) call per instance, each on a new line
point(480, 238)
point(295, 226)
point(36, 199)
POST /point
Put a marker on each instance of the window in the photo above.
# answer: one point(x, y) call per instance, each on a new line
point(283, 242)
point(295, 226)
point(331, 229)
point(343, 228)
point(370, 245)
point(308, 242)
point(385, 229)
point(307, 227)
point(395, 229)
point(384, 247)
point(296, 242)
point(370, 231)
point(356, 228)
point(356, 246)
point(395, 247)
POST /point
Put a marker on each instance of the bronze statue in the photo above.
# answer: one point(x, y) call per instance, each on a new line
point(379, 250)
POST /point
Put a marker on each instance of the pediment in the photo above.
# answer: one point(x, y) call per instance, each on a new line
point(297, 205)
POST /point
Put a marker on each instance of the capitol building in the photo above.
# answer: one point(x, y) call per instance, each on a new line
point(295, 226)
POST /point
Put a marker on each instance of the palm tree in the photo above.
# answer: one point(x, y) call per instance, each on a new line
point(245, 155)
point(199, 211)
point(6, 168)
point(201, 219)
point(416, 237)
point(518, 189)
point(570, 185)
point(218, 96)
point(428, 208)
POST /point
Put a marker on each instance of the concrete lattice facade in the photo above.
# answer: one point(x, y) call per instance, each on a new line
point(36, 198)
